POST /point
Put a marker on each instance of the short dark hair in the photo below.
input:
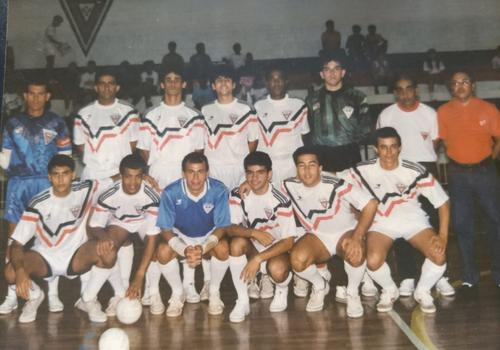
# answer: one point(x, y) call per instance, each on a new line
point(465, 71)
point(37, 81)
point(173, 69)
point(61, 160)
point(306, 150)
point(338, 57)
point(276, 69)
point(172, 45)
point(385, 133)
point(104, 72)
point(258, 158)
point(132, 161)
point(356, 28)
point(405, 76)
point(223, 71)
point(194, 157)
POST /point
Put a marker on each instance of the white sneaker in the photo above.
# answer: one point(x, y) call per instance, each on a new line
point(204, 291)
point(215, 304)
point(424, 298)
point(317, 299)
point(93, 309)
point(112, 303)
point(354, 306)
point(280, 300)
point(266, 287)
point(157, 307)
point(253, 289)
point(444, 287)
point(55, 304)
point(239, 312)
point(341, 294)
point(368, 288)
point(407, 287)
point(325, 273)
point(387, 299)
point(192, 295)
point(8, 305)
point(175, 306)
point(30, 309)
point(300, 287)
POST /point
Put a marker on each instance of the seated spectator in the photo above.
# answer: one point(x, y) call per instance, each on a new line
point(202, 92)
point(374, 43)
point(495, 61)
point(130, 83)
point(330, 39)
point(235, 60)
point(172, 58)
point(200, 64)
point(433, 68)
point(87, 82)
point(381, 72)
point(355, 47)
point(149, 82)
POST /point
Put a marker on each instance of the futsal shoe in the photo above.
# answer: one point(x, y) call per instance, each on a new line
point(280, 300)
point(204, 291)
point(368, 288)
point(192, 295)
point(253, 289)
point(8, 305)
point(30, 309)
point(215, 304)
point(111, 309)
point(341, 294)
point(157, 307)
point(387, 299)
point(55, 304)
point(444, 288)
point(407, 287)
point(175, 305)
point(239, 312)
point(93, 309)
point(424, 298)
point(266, 287)
point(354, 306)
point(300, 287)
point(317, 298)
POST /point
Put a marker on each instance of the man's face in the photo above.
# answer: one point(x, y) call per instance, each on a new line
point(332, 74)
point(276, 85)
point(61, 177)
point(36, 97)
point(106, 88)
point(195, 174)
point(309, 170)
point(462, 86)
point(223, 86)
point(173, 84)
point(132, 180)
point(258, 178)
point(388, 150)
point(406, 93)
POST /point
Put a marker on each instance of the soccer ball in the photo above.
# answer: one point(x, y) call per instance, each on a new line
point(114, 339)
point(128, 310)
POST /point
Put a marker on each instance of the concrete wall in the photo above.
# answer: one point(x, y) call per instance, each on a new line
point(140, 29)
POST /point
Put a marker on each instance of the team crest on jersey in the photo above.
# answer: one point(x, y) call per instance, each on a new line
point(182, 121)
point(324, 202)
point(348, 111)
point(48, 135)
point(138, 209)
point(178, 202)
point(211, 117)
point(18, 130)
point(316, 106)
point(401, 187)
point(75, 211)
point(233, 117)
point(269, 212)
point(115, 118)
point(425, 135)
point(286, 114)
point(207, 207)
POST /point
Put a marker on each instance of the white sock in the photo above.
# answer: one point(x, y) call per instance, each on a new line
point(205, 264)
point(98, 277)
point(285, 283)
point(312, 275)
point(236, 265)
point(383, 277)
point(11, 292)
point(172, 274)
point(34, 291)
point(84, 279)
point(124, 260)
point(218, 269)
point(431, 273)
point(354, 277)
point(187, 274)
point(53, 286)
point(153, 275)
point(115, 279)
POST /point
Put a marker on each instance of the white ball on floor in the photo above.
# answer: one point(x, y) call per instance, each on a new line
point(114, 339)
point(128, 311)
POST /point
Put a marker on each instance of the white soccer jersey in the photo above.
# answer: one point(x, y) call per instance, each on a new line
point(58, 224)
point(325, 208)
point(397, 190)
point(271, 212)
point(106, 133)
point(169, 133)
point(417, 129)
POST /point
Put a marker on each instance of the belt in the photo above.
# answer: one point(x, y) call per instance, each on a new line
point(486, 161)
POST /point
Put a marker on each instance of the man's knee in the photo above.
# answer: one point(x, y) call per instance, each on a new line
point(300, 259)
point(374, 260)
point(221, 250)
point(357, 261)
point(437, 258)
point(238, 246)
point(278, 269)
point(10, 274)
point(164, 253)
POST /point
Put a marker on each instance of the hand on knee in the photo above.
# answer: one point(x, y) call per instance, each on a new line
point(356, 262)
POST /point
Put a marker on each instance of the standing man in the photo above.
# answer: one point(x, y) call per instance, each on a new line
point(53, 46)
point(282, 123)
point(30, 140)
point(232, 130)
point(470, 129)
point(322, 203)
point(330, 39)
point(417, 125)
point(338, 117)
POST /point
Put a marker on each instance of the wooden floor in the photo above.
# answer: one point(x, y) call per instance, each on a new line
point(458, 323)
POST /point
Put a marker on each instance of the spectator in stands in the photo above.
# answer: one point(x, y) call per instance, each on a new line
point(172, 58)
point(129, 81)
point(433, 68)
point(248, 75)
point(374, 43)
point(87, 81)
point(200, 64)
point(330, 39)
point(495, 61)
point(149, 82)
point(355, 47)
point(53, 46)
point(381, 72)
point(236, 60)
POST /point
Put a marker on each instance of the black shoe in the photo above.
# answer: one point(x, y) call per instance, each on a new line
point(468, 292)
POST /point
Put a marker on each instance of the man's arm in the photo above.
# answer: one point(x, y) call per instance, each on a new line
point(145, 155)
point(23, 281)
point(252, 146)
point(444, 224)
point(264, 238)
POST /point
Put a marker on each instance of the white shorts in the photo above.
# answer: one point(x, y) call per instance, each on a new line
point(59, 261)
point(192, 240)
point(405, 230)
point(329, 241)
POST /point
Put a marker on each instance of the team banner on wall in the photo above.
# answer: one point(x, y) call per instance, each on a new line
point(86, 18)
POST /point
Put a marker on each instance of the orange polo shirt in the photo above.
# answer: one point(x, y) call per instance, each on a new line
point(468, 130)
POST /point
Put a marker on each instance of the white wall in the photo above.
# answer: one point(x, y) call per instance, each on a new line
point(140, 29)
